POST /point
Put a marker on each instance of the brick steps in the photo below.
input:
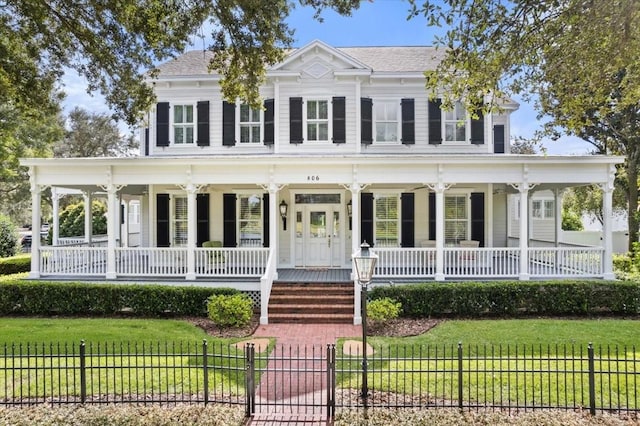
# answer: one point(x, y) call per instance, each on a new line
point(311, 303)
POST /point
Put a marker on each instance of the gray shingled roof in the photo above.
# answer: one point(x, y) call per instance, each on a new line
point(379, 59)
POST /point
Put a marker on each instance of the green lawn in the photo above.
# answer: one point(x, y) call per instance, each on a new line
point(73, 330)
point(527, 332)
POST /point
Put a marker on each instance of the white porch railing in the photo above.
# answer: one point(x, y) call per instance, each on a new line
point(566, 262)
point(87, 261)
point(96, 241)
point(151, 261)
point(231, 262)
point(481, 262)
point(266, 283)
point(488, 262)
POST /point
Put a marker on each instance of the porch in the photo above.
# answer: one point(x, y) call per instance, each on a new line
point(252, 264)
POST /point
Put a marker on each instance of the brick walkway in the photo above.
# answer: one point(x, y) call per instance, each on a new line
point(290, 397)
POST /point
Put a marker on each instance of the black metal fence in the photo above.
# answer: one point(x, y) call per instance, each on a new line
point(320, 379)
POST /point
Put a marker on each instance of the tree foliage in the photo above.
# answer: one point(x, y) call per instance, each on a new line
point(72, 219)
point(93, 135)
point(114, 43)
point(579, 59)
point(8, 237)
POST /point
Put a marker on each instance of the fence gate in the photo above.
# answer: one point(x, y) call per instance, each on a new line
point(294, 382)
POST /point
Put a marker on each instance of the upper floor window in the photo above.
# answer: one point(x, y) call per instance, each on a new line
point(386, 120)
point(250, 220)
point(249, 122)
point(387, 220)
point(455, 124)
point(183, 124)
point(317, 120)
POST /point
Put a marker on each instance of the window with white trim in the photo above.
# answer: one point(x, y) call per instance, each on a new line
point(387, 120)
point(134, 212)
point(455, 123)
point(543, 209)
point(250, 220)
point(249, 122)
point(180, 222)
point(183, 124)
point(387, 220)
point(317, 120)
point(456, 218)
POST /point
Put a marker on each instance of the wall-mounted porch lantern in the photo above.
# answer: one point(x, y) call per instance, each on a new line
point(284, 207)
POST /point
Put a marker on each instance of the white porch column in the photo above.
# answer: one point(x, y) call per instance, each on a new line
point(55, 199)
point(607, 230)
point(524, 231)
point(112, 221)
point(355, 189)
point(557, 204)
point(191, 231)
point(88, 217)
point(36, 196)
point(439, 189)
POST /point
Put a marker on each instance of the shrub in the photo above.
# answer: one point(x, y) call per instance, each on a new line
point(8, 237)
point(515, 298)
point(15, 265)
point(72, 220)
point(383, 309)
point(41, 298)
point(571, 221)
point(230, 311)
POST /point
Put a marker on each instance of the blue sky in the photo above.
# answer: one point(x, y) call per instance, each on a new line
point(382, 23)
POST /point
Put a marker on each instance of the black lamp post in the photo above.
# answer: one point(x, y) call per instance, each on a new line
point(365, 263)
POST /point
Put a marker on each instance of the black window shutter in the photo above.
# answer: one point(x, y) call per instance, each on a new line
point(265, 219)
point(498, 138)
point(366, 218)
point(339, 129)
point(435, 122)
point(407, 201)
point(146, 141)
point(269, 130)
point(228, 124)
point(203, 123)
point(432, 216)
point(477, 217)
point(229, 220)
point(295, 120)
point(408, 122)
point(202, 229)
point(477, 129)
point(162, 220)
point(162, 124)
point(366, 121)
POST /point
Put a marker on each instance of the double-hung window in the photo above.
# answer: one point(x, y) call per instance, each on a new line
point(180, 221)
point(387, 220)
point(183, 124)
point(456, 218)
point(387, 120)
point(543, 209)
point(249, 122)
point(317, 120)
point(250, 220)
point(455, 124)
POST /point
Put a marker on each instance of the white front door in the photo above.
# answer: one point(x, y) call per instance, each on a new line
point(318, 231)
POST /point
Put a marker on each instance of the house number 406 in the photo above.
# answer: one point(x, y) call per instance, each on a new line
point(313, 178)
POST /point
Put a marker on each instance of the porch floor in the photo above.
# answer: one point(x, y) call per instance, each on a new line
point(314, 275)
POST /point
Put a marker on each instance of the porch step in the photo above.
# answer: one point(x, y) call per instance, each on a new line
point(311, 303)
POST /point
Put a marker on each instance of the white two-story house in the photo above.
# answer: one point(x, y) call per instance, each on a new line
point(347, 148)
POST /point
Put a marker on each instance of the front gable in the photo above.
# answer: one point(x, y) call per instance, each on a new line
point(318, 60)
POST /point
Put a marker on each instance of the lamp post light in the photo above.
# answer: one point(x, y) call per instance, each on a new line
point(365, 262)
point(283, 214)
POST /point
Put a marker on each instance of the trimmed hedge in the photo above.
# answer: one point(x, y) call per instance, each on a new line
point(514, 298)
point(71, 298)
point(15, 265)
